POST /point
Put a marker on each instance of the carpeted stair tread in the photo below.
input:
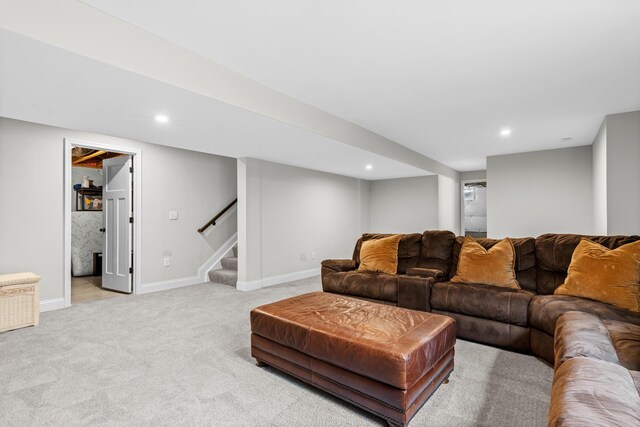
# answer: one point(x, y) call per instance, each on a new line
point(224, 277)
point(230, 263)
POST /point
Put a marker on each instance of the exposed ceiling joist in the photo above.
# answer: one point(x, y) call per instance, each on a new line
point(87, 157)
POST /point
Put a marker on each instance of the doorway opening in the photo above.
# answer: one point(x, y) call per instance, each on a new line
point(102, 200)
point(474, 211)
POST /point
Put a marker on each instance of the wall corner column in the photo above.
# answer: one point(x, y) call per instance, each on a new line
point(249, 223)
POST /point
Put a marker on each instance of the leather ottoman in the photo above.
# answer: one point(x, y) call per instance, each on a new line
point(384, 359)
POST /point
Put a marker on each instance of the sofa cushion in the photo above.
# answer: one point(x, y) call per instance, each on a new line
point(591, 392)
point(626, 340)
point(606, 275)
point(553, 255)
point(376, 286)
point(436, 250)
point(545, 310)
point(493, 266)
point(408, 249)
point(491, 332)
point(488, 302)
point(580, 334)
point(525, 263)
point(380, 255)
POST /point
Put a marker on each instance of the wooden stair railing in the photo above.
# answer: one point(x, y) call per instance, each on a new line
point(215, 218)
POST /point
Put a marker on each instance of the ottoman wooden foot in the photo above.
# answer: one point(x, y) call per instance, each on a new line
point(260, 364)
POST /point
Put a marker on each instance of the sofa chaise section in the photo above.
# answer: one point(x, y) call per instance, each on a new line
point(597, 372)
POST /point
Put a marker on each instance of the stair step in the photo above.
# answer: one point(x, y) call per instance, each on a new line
point(230, 263)
point(235, 251)
point(224, 277)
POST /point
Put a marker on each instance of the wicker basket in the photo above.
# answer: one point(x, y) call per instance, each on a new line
point(19, 300)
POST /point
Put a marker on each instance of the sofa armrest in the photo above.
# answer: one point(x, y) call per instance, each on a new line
point(414, 292)
point(438, 275)
point(339, 264)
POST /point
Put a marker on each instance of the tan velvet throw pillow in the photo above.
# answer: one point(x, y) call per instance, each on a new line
point(607, 275)
point(489, 267)
point(380, 255)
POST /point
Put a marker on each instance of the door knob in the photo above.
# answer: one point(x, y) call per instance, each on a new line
point(102, 230)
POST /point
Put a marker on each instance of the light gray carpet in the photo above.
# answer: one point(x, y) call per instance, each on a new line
point(181, 357)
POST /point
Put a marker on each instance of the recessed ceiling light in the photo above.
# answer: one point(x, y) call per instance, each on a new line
point(368, 167)
point(505, 132)
point(160, 118)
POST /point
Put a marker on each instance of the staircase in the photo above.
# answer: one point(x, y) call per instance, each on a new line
point(228, 275)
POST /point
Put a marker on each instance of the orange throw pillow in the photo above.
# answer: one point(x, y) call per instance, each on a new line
point(380, 255)
point(489, 267)
point(607, 275)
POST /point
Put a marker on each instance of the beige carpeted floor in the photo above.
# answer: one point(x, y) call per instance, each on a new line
point(181, 357)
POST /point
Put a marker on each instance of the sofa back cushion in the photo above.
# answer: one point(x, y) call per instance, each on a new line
point(554, 252)
point(493, 266)
point(408, 249)
point(436, 250)
point(607, 275)
point(380, 255)
point(525, 263)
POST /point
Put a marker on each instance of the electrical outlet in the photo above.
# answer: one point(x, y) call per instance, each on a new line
point(167, 261)
point(313, 255)
point(173, 215)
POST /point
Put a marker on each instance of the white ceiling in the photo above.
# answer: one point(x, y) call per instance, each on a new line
point(440, 77)
point(44, 84)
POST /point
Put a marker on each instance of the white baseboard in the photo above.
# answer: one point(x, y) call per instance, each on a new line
point(51, 304)
point(202, 275)
point(168, 284)
point(277, 280)
point(203, 271)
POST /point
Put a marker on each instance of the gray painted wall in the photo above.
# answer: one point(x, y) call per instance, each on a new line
point(287, 214)
point(623, 173)
point(31, 232)
point(473, 175)
point(599, 165)
point(549, 191)
point(449, 201)
point(404, 205)
point(249, 220)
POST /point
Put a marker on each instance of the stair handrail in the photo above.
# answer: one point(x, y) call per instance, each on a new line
point(215, 218)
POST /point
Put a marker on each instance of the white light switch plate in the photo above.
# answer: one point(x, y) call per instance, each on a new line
point(173, 215)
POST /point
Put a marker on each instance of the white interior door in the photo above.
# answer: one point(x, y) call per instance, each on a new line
point(116, 209)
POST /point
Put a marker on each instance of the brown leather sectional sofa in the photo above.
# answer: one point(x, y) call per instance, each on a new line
point(422, 259)
point(598, 383)
point(522, 320)
point(596, 344)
